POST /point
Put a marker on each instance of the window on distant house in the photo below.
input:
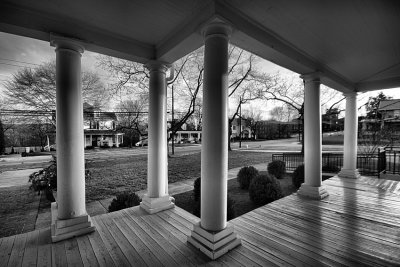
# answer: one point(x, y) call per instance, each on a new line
point(234, 127)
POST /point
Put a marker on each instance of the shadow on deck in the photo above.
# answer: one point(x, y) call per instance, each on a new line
point(358, 224)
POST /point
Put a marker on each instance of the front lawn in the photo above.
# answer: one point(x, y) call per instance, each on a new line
point(19, 209)
point(130, 173)
point(243, 204)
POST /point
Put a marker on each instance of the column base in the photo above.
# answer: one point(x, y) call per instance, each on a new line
point(65, 229)
point(157, 204)
point(347, 173)
point(312, 191)
point(214, 244)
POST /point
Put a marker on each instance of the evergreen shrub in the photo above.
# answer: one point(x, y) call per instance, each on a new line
point(124, 200)
point(264, 189)
point(298, 176)
point(246, 175)
point(277, 168)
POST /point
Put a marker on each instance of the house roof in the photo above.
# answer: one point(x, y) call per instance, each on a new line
point(392, 104)
point(353, 45)
point(89, 110)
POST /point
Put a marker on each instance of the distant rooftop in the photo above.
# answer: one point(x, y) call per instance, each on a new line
point(392, 104)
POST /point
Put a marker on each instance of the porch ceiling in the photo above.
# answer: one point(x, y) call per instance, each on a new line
point(354, 44)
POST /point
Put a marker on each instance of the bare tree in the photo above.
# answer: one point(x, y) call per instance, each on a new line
point(291, 93)
point(35, 88)
point(132, 118)
point(253, 118)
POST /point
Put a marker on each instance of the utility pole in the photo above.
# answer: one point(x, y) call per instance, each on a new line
point(240, 122)
point(173, 123)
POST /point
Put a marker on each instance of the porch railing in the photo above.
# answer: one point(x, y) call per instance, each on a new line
point(371, 165)
point(392, 159)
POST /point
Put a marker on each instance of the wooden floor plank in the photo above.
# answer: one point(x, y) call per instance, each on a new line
point(368, 229)
point(318, 239)
point(383, 196)
point(72, 253)
point(268, 249)
point(131, 246)
point(86, 250)
point(18, 250)
point(116, 253)
point(249, 251)
point(58, 255)
point(304, 253)
point(337, 239)
point(31, 249)
point(149, 242)
point(6, 249)
point(100, 250)
point(363, 201)
point(383, 248)
point(44, 248)
point(177, 239)
point(357, 225)
point(142, 254)
point(162, 242)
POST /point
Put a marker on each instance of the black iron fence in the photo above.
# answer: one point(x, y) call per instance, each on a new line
point(392, 159)
point(332, 162)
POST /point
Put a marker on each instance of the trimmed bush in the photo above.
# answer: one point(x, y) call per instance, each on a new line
point(298, 176)
point(230, 209)
point(196, 189)
point(330, 167)
point(277, 168)
point(46, 179)
point(245, 175)
point(264, 189)
point(124, 200)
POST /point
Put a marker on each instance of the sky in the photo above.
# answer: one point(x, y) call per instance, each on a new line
point(17, 52)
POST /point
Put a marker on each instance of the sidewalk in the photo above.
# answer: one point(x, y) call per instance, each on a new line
point(15, 178)
point(101, 206)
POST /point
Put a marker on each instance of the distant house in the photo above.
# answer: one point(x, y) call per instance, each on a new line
point(390, 114)
point(270, 129)
point(388, 117)
point(331, 121)
point(242, 127)
point(188, 133)
point(100, 128)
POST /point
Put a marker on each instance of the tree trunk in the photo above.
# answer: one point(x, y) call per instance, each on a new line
point(229, 134)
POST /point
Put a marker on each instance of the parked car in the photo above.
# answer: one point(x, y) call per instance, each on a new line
point(143, 142)
point(50, 148)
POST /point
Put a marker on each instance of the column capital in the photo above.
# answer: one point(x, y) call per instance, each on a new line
point(312, 77)
point(61, 42)
point(350, 94)
point(155, 65)
point(217, 28)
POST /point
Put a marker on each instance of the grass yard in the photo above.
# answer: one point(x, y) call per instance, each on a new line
point(243, 204)
point(114, 176)
point(19, 209)
point(334, 139)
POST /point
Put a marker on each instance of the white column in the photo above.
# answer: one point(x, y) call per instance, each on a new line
point(116, 140)
point(312, 139)
point(157, 198)
point(69, 216)
point(213, 235)
point(349, 169)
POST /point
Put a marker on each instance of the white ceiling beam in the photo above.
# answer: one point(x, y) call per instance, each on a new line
point(389, 83)
point(256, 31)
point(37, 25)
point(186, 38)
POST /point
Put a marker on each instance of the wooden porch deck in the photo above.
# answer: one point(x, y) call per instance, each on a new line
point(357, 225)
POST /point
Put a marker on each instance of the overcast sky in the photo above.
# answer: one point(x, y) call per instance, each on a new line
point(17, 52)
